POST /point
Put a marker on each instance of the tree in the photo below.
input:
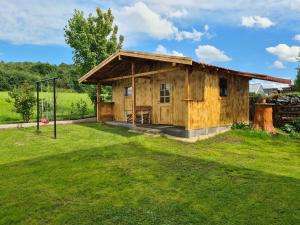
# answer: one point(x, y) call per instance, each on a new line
point(297, 81)
point(93, 39)
point(23, 100)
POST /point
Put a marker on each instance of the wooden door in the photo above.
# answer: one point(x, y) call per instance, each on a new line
point(164, 100)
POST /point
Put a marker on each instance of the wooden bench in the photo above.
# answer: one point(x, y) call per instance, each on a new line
point(142, 115)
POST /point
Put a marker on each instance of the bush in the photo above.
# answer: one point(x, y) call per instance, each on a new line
point(240, 126)
point(296, 124)
point(292, 128)
point(288, 128)
point(23, 100)
point(79, 108)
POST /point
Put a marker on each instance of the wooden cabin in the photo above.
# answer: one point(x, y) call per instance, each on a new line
point(177, 91)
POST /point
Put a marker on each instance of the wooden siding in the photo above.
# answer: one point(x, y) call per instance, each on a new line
point(105, 111)
point(214, 110)
point(206, 107)
point(147, 94)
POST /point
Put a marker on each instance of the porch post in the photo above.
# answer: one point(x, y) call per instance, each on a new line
point(187, 99)
point(98, 102)
point(133, 93)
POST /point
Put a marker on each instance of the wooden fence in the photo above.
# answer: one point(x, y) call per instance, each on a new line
point(105, 111)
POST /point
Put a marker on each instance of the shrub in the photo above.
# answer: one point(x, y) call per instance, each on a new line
point(296, 124)
point(79, 108)
point(23, 100)
point(240, 126)
point(288, 128)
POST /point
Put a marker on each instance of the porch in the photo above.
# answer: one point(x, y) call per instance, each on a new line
point(176, 131)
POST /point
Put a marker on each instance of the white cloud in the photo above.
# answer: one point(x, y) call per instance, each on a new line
point(284, 52)
point(277, 65)
point(194, 35)
point(297, 37)
point(140, 19)
point(34, 21)
point(163, 50)
point(208, 53)
point(230, 12)
point(177, 14)
point(257, 21)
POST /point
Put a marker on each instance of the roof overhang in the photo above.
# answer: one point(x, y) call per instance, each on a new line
point(243, 74)
point(134, 56)
point(117, 63)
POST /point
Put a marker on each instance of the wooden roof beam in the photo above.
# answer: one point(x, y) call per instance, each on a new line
point(144, 74)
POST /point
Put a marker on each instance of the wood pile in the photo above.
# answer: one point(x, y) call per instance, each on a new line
point(286, 109)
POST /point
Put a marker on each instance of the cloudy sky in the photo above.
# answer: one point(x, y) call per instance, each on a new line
point(247, 35)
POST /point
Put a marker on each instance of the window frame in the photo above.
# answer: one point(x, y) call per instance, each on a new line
point(223, 89)
point(128, 93)
point(165, 88)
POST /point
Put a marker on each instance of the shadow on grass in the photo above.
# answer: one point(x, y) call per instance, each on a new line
point(122, 131)
point(131, 184)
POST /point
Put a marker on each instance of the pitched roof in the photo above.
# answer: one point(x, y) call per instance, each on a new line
point(253, 88)
point(114, 59)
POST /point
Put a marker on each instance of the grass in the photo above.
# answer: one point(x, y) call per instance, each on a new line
point(96, 174)
point(64, 101)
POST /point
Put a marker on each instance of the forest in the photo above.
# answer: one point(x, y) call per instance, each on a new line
point(14, 74)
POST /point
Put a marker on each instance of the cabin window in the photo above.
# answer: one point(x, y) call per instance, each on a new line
point(223, 87)
point(128, 91)
point(165, 93)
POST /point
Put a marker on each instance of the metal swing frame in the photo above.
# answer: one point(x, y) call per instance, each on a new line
point(38, 86)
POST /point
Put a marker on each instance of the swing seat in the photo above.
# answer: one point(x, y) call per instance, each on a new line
point(44, 120)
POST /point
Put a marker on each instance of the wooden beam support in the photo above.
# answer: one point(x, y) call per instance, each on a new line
point(133, 93)
point(98, 105)
point(140, 74)
point(187, 98)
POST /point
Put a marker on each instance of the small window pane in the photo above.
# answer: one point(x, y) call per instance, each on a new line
point(162, 93)
point(167, 99)
point(128, 91)
point(162, 100)
point(167, 93)
point(167, 86)
point(162, 87)
point(223, 87)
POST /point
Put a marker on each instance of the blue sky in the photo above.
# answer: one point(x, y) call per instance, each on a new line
point(252, 36)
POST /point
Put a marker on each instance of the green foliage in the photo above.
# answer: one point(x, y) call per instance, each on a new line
point(292, 128)
point(14, 74)
point(79, 108)
point(297, 81)
point(288, 128)
point(240, 126)
point(296, 124)
point(24, 100)
point(64, 100)
point(256, 97)
point(93, 38)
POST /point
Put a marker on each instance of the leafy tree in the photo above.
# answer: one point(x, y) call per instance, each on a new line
point(93, 39)
point(23, 100)
point(297, 81)
point(14, 74)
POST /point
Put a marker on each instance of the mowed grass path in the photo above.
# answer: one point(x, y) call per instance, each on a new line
point(64, 101)
point(95, 174)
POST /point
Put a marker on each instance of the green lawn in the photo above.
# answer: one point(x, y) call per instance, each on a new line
point(64, 101)
point(95, 174)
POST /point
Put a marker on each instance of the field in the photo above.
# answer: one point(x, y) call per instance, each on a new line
point(64, 101)
point(96, 174)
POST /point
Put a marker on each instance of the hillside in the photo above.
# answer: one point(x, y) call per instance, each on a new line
point(13, 74)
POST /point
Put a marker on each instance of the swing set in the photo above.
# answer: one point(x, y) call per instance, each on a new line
point(43, 106)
